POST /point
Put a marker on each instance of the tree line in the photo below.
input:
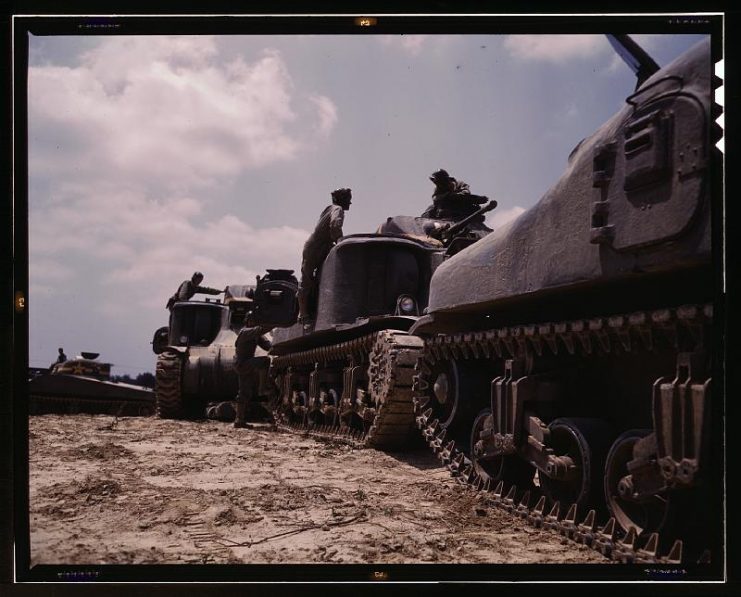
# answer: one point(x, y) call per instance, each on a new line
point(143, 379)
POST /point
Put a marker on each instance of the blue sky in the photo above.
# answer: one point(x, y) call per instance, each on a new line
point(151, 157)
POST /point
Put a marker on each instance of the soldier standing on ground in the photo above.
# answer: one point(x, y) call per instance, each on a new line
point(326, 233)
point(190, 287)
point(248, 366)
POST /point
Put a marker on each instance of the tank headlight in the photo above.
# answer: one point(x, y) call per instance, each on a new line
point(407, 305)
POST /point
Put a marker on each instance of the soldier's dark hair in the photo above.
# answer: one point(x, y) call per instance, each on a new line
point(197, 275)
point(341, 195)
point(439, 175)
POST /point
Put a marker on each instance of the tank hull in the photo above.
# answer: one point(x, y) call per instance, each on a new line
point(569, 354)
point(195, 364)
point(349, 371)
point(69, 393)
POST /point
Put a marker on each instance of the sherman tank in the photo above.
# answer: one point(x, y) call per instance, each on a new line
point(349, 369)
point(195, 353)
point(568, 355)
point(84, 384)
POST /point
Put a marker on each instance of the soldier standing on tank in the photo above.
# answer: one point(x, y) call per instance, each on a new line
point(247, 366)
point(326, 233)
point(190, 287)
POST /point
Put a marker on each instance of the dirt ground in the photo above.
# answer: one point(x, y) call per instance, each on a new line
point(149, 491)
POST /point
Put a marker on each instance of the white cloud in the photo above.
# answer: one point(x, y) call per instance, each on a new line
point(50, 270)
point(554, 48)
point(327, 112)
point(133, 141)
point(497, 219)
point(143, 248)
point(165, 111)
point(413, 43)
point(616, 64)
point(409, 43)
point(648, 41)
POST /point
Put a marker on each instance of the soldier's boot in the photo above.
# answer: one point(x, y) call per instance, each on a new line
point(242, 425)
point(239, 419)
point(244, 396)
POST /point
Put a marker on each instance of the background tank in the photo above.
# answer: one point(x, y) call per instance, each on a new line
point(576, 341)
point(84, 384)
point(274, 301)
point(195, 353)
point(351, 368)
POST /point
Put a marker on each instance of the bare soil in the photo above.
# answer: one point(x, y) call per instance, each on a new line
point(149, 491)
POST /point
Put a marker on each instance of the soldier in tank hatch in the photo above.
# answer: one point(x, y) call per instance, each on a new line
point(61, 358)
point(189, 288)
point(326, 233)
point(451, 198)
point(249, 367)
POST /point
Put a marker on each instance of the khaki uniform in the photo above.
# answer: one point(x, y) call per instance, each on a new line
point(326, 233)
point(453, 201)
point(249, 367)
point(186, 291)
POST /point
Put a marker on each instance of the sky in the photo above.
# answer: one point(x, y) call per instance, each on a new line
point(151, 157)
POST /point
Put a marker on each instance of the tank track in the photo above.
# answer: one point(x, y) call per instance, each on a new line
point(388, 414)
point(605, 537)
point(167, 387)
point(39, 404)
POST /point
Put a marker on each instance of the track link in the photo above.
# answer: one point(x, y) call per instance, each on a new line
point(387, 411)
point(605, 537)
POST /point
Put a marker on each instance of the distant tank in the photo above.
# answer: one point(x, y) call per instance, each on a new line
point(195, 353)
point(84, 384)
point(350, 369)
point(576, 342)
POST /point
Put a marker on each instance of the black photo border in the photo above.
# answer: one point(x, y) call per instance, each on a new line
point(448, 19)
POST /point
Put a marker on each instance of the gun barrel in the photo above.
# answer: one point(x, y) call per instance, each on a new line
point(637, 59)
point(459, 225)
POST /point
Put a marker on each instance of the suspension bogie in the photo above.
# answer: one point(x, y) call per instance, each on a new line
point(361, 387)
point(325, 386)
point(589, 412)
